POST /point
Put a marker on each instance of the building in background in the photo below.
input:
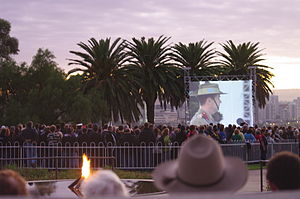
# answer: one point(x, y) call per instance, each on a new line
point(277, 112)
point(297, 103)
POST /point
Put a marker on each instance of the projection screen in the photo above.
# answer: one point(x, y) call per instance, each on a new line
point(225, 102)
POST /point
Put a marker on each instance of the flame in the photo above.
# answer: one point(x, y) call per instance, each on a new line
point(85, 169)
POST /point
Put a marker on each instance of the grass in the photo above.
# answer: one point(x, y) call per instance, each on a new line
point(45, 174)
point(254, 166)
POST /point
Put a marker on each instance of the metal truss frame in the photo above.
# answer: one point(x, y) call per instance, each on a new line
point(247, 90)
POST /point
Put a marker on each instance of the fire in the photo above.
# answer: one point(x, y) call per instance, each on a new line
point(85, 169)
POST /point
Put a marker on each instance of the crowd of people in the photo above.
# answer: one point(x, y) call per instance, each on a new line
point(215, 173)
point(147, 133)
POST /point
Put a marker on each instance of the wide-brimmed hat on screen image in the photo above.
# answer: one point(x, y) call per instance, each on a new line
point(201, 167)
point(207, 89)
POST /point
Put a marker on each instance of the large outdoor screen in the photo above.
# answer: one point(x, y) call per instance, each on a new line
point(225, 102)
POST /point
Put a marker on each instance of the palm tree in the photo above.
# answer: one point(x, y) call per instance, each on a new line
point(104, 68)
point(236, 61)
point(160, 79)
point(197, 56)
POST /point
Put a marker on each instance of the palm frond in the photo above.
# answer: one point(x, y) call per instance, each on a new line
point(237, 58)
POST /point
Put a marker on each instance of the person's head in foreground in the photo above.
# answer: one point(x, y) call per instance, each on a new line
point(11, 183)
point(201, 167)
point(103, 183)
point(283, 172)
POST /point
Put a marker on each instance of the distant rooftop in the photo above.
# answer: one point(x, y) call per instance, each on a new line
point(287, 94)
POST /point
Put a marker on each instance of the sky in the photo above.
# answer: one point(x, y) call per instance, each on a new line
point(59, 25)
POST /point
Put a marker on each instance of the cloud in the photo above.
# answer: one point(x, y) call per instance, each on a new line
point(59, 25)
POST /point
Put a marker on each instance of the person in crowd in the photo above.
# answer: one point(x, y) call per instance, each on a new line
point(17, 135)
point(12, 184)
point(165, 140)
point(147, 135)
point(181, 135)
point(59, 129)
point(202, 130)
point(95, 134)
point(290, 133)
point(12, 133)
point(229, 132)
point(104, 183)
point(126, 155)
point(127, 138)
point(296, 133)
point(241, 134)
point(157, 133)
point(29, 134)
point(5, 139)
point(208, 130)
point(109, 137)
point(42, 133)
point(236, 137)
point(281, 133)
point(5, 135)
point(78, 129)
point(136, 132)
point(192, 131)
point(222, 134)
point(269, 138)
point(249, 137)
point(83, 137)
point(54, 136)
point(201, 167)
point(208, 96)
point(90, 127)
point(214, 133)
point(283, 171)
point(21, 126)
point(172, 133)
point(69, 136)
point(29, 138)
point(119, 132)
point(245, 127)
point(263, 143)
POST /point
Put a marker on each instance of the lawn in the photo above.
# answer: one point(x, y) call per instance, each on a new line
point(45, 174)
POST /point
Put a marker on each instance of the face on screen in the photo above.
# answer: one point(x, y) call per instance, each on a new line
point(212, 104)
point(231, 103)
point(216, 102)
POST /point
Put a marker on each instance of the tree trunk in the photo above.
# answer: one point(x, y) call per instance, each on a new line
point(150, 110)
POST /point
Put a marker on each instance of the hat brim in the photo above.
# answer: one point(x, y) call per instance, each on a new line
point(235, 176)
point(196, 94)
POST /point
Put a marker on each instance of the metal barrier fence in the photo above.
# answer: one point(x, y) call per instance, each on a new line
point(68, 155)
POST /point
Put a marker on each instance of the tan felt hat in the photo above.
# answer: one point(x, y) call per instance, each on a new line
point(201, 167)
point(207, 89)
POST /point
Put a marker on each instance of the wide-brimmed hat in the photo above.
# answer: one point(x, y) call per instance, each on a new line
point(207, 89)
point(201, 166)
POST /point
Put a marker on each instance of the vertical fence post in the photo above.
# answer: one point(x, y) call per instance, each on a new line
point(56, 167)
point(261, 176)
point(272, 149)
point(21, 156)
point(299, 145)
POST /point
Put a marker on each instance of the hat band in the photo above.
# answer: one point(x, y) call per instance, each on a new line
point(195, 185)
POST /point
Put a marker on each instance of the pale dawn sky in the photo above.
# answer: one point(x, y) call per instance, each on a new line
point(60, 24)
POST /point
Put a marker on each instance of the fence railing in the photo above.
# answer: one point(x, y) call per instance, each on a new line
point(68, 155)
